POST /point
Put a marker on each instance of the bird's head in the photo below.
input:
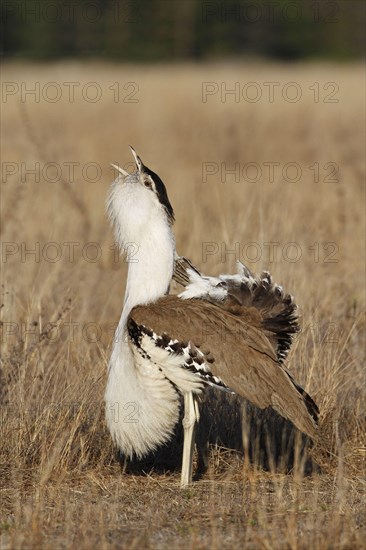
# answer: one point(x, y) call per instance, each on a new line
point(137, 203)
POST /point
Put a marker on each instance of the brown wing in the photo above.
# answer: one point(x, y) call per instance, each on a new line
point(276, 308)
point(239, 352)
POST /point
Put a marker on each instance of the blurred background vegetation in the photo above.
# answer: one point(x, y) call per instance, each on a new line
point(153, 30)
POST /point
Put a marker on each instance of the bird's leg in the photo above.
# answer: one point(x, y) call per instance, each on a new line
point(196, 409)
point(191, 416)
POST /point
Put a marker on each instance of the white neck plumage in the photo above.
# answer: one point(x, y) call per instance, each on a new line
point(144, 234)
point(150, 268)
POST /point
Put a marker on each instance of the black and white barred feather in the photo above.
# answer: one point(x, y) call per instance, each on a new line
point(192, 358)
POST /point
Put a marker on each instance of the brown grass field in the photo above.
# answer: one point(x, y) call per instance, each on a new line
point(62, 484)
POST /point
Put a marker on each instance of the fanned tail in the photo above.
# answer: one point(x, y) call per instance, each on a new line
point(278, 309)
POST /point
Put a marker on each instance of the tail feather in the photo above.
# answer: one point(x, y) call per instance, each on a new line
point(310, 404)
point(181, 267)
point(278, 309)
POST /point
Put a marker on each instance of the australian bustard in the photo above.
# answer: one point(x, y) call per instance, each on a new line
point(231, 332)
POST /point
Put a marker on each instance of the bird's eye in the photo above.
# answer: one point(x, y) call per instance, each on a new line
point(148, 183)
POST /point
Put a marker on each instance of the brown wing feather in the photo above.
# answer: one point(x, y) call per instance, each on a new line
point(277, 309)
point(244, 357)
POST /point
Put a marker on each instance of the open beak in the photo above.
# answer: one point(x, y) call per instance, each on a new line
point(138, 161)
point(120, 170)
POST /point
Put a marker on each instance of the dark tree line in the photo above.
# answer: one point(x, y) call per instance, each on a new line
point(183, 29)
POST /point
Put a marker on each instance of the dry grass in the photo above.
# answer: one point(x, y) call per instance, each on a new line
point(61, 483)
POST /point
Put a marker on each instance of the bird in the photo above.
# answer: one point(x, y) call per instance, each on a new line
point(230, 332)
